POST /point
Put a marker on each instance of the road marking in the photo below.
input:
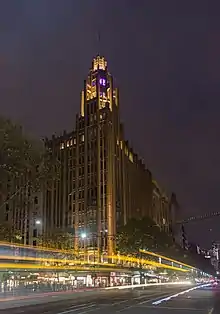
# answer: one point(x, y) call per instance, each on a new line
point(136, 298)
point(84, 304)
point(97, 308)
point(147, 295)
point(172, 308)
point(77, 308)
point(134, 305)
point(120, 302)
point(159, 296)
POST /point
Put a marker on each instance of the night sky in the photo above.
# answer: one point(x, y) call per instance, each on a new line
point(165, 58)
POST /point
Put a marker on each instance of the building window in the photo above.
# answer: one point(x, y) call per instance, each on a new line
point(131, 157)
point(35, 233)
point(126, 151)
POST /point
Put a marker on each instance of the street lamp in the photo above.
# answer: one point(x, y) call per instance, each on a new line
point(83, 235)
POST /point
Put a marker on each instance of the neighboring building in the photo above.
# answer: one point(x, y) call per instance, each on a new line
point(102, 181)
point(176, 229)
point(35, 218)
point(160, 211)
point(215, 255)
point(22, 211)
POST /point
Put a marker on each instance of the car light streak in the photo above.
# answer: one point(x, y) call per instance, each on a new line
point(151, 284)
point(178, 294)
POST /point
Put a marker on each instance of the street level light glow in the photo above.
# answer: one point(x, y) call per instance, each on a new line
point(38, 222)
point(83, 235)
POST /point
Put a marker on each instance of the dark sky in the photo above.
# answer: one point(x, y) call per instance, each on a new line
point(165, 57)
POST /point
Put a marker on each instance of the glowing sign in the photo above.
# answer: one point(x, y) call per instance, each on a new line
point(102, 81)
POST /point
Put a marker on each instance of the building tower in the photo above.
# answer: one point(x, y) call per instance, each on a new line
point(100, 118)
point(102, 181)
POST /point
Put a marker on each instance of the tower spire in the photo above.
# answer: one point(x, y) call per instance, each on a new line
point(99, 61)
point(98, 42)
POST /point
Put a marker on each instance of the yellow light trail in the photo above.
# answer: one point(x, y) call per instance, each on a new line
point(54, 260)
point(126, 258)
point(51, 260)
point(37, 248)
point(166, 258)
point(144, 261)
point(38, 266)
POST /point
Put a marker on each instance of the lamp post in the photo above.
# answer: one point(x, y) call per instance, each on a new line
point(84, 236)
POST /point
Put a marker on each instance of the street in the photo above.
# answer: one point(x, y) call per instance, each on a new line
point(152, 300)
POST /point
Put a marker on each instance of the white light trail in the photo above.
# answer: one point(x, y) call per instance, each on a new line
point(151, 284)
point(178, 294)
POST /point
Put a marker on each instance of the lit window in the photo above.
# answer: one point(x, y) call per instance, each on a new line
point(131, 157)
point(108, 93)
point(99, 62)
point(93, 91)
point(71, 142)
point(82, 137)
point(88, 92)
point(68, 144)
point(74, 141)
point(62, 146)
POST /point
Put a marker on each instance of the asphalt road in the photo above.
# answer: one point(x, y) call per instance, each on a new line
point(201, 301)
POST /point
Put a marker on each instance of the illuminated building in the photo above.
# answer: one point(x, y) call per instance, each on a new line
point(102, 181)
